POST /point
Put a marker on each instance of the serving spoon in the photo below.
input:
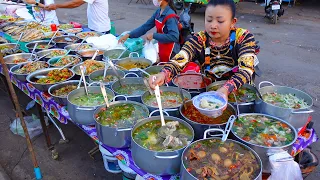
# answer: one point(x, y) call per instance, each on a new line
point(54, 35)
point(34, 48)
point(84, 79)
point(105, 97)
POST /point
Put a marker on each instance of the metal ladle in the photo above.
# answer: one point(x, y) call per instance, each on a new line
point(15, 47)
point(34, 48)
point(54, 35)
point(105, 97)
point(114, 70)
point(84, 79)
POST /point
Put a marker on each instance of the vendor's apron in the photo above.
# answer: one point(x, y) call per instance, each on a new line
point(165, 49)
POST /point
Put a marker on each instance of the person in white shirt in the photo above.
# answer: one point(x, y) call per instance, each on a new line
point(97, 13)
point(38, 12)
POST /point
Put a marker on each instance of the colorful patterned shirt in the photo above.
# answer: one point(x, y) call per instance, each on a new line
point(238, 52)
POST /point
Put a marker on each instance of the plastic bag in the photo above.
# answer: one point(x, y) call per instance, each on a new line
point(149, 51)
point(33, 125)
point(104, 42)
point(284, 167)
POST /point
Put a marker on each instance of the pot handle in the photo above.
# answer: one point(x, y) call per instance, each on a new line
point(92, 83)
point(224, 132)
point(265, 82)
point(85, 109)
point(125, 97)
point(302, 111)
point(167, 157)
point(131, 73)
point(213, 130)
point(126, 129)
point(157, 110)
point(131, 55)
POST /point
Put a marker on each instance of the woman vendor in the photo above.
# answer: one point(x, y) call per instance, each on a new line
point(221, 49)
point(39, 13)
point(166, 22)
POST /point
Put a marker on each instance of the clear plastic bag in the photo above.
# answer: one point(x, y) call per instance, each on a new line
point(33, 125)
point(283, 167)
point(149, 51)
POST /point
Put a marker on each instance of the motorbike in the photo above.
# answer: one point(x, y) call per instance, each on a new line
point(273, 10)
point(195, 4)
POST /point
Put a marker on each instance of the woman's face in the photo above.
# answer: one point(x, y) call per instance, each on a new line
point(218, 22)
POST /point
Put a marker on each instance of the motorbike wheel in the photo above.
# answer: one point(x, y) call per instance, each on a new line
point(178, 4)
point(275, 17)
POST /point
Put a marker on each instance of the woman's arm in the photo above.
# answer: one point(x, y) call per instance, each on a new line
point(69, 4)
point(246, 62)
point(172, 35)
point(34, 2)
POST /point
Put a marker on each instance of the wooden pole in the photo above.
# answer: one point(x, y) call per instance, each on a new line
point(23, 124)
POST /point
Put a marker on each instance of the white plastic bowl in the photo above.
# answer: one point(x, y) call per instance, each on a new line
point(213, 96)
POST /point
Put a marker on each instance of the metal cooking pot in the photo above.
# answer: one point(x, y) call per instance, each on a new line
point(199, 128)
point(53, 60)
point(171, 111)
point(88, 54)
point(62, 100)
point(113, 54)
point(100, 73)
point(31, 78)
point(296, 117)
point(192, 91)
point(154, 162)
point(74, 46)
point(245, 107)
point(127, 82)
point(185, 175)
point(114, 137)
point(120, 62)
point(47, 57)
point(264, 151)
point(31, 45)
point(152, 70)
point(10, 58)
point(84, 114)
point(22, 77)
point(61, 41)
point(8, 49)
point(76, 70)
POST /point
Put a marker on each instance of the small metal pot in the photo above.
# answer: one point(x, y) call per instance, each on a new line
point(74, 46)
point(296, 117)
point(114, 54)
point(199, 128)
point(84, 114)
point(120, 63)
point(10, 50)
point(264, 151)
point(128, 81)
point(192, 91)
point(108, 72)
point(47, 57)
point(114, 137)
point(62, 100)
point(10, 58)
point(171, 111)
point(43, 87)
point(88, 54)
point(76, 70)
point(21, 77)
point(154, 162)
point(185, 175)
point(61, 41)
point(52, 61)
point(31, 45)
point(245, 107)
point(152, 70)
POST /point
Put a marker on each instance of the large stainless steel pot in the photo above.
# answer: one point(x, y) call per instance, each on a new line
point(199, 128)
point(84, 114)
point(127, 82)
point(31, 45)
point(52, 61)
point(185, 175)
point(245, 107)
point(22, 77)
point(114, 137)
point(296, 117)
point(62, 41)
point(171, 111)
point(132, 60)
point(10, 58)
point(62, 100)
point(192, 91)
point(114, 54)
point(98, 73)
point(264, 151)
point(31, 78)
point(152, 70)
point(47, 57)
point(154, 162)
point(74, 46)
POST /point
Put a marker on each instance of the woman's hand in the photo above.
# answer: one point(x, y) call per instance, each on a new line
point(124, 38)
point(149, 37)
point(224, 91)
point(159, 79)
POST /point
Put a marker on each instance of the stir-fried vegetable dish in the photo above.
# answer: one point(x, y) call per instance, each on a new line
point(65, 26)
point(43, 46)
point(285, 100)
point(64, 91)
point(19, 60)
point(123, 115)
point(87, 34)
point(214, 159)
point(194, 115)
point(262, 130)
point(131, 65)
point(191, 81)
point(64, 40)
point(55, 76)
point(93, 99)
point(82, 47)
point(131, 89)
point(91, 66)
point(66, 60)
point(168, 100)
point(56, 53)
point(73, 30)
point(108, 78)
point(243, 94)
point(31, 67)
point(90, 53)
point(153, 136)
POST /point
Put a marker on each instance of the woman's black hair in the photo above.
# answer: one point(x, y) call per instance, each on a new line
point(170, 3)
point(229, 3)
